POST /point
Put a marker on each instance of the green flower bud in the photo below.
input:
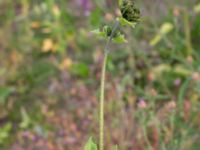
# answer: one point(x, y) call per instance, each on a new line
point(108, 31)
point(129, 11)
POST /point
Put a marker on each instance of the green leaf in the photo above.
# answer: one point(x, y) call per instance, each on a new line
point(5, 132)
point(182, 71)
point(120, 2)
point(125, 22)
point(160, 69)
point(26, 121)
point(197, 8)
point(90, 145)
point(106, 32)
point(99, 33)
point(4, 93)
point(80, 69)
point(155, 40)
point(164, 30)
point(119, 39)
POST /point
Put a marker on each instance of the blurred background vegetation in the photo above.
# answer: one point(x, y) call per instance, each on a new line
point(50, 67)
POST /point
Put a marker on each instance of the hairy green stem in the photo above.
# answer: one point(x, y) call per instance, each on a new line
point(114, 29)
point(101, 142)
point(102, 89)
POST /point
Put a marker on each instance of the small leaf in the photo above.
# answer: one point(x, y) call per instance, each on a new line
point(90, 145)
point(5, 132)
point(99, 33)
point(125, 22)
point(182, 71)
point(4, 93)
point(197, 8)
point(119, 39)
point(159, 69)
point(155, 40)
point(96, 31)
point(164, 29)
point(120, 2)
point(26, 121)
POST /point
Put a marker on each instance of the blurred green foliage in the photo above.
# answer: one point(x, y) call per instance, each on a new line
point(50, 66)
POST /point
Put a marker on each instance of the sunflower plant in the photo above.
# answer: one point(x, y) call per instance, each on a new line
point(130, 16)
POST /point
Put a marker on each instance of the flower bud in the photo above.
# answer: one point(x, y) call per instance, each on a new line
point(129, 11)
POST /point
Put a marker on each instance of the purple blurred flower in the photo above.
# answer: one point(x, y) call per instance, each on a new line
point(86, 6)
point(142, 103)
point(177, 82)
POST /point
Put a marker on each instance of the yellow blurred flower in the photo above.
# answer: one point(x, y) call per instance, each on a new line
point(48, 45)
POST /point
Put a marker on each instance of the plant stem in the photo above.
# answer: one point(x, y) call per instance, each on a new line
point(115, 27)
point(102, 89)
point(187, 33)
point(101, 142)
